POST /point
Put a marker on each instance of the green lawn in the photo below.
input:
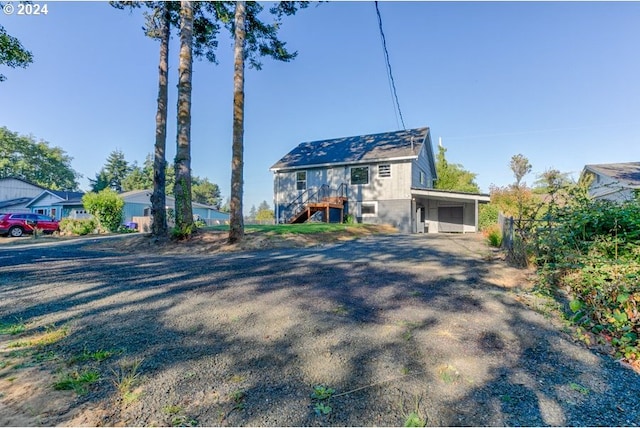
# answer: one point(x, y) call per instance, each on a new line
point(302, 229)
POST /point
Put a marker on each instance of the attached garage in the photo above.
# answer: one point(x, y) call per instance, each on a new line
point(450, 219)
point(442, 211)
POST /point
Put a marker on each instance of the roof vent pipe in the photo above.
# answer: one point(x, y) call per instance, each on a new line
point(439, 141)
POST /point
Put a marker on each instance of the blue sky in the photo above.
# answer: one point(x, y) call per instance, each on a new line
point(556, 81)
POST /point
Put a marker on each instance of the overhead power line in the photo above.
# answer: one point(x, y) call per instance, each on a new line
point(392, 82)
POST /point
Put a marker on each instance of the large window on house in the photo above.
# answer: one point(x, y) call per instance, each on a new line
point(301, 180)
point(360, 175)
point(384, 170)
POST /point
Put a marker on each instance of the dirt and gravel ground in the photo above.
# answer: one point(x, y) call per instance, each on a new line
point(435, 325)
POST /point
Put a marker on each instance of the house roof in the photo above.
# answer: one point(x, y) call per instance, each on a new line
point(403, 144)
point(626, 173)
point(13, 202)
point(11, 177)
point(63, 195)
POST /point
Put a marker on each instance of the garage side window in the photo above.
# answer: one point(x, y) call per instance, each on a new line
point(369, 209)
point(301, 180)
point(360, 175)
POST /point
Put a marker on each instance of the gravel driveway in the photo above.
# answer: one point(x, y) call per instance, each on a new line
point(431, 325)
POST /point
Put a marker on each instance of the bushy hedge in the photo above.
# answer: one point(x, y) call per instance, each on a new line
point(593, 249)
point(70, 226)
point(107, 207)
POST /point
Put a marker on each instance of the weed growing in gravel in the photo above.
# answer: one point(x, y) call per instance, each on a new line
point(97, 356)
point(126, 378)
point(321, 395)
point(171, 409)
point(322, 409)
point(178, 420)
point(78, 382)
point(13, 329)
point(414, 418)
point(51, 335)
point(321, 392)
point(448, 374)
point(581, 389)
point(238, 397)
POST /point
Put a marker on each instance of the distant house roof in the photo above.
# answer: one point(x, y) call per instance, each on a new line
point(23, 180)
point(63, 195)
point(626, 173)
point(13, 202)
point(404, 144)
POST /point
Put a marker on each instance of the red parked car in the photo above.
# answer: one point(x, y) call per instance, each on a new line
point(17, 224)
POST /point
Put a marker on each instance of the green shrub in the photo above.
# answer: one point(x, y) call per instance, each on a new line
point(106, 207)
point(71, 226)
point(493, 235)
point(349, 219)
point(487, 216)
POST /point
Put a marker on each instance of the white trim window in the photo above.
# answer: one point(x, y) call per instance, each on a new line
point(301, 180)
point(423, 178)
point(369, 209)
point(359, 175)
point(384, 170)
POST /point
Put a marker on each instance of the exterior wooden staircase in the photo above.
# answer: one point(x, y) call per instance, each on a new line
point(323, 200)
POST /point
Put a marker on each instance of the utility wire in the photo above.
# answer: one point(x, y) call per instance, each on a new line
point(389, 74)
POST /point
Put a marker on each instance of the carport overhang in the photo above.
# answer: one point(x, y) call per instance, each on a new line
point(449, 197)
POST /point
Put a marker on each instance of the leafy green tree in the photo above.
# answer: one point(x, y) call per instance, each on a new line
point(252, 40)
point(106, 206)
point(265, 213)
point(12, 53)
point(205, 192)
point(453, 176)
point(112, 173)
point(35, 161)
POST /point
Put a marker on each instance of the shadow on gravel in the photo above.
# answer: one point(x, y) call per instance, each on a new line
point(394, 324)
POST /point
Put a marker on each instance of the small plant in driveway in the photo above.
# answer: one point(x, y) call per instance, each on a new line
point(321, 395)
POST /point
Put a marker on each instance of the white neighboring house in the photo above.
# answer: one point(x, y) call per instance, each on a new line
point(16, 193)
point(613, 181)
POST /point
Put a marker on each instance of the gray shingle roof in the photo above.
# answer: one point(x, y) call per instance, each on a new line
point(625, 172)
point(357, 149)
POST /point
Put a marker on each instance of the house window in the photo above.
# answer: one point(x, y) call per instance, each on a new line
point(360, 175)
point(384, 170)
point(41, 211)
point(422, 177)
point(301, 180)
point(369, 209)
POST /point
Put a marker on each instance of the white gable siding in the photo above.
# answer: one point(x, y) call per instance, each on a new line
point(604, 187)
point(10, 188)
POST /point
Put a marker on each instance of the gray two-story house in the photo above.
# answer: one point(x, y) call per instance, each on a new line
point(379, 178)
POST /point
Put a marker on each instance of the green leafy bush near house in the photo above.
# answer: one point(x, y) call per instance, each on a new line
point(70, 226)
point(592, 249)
point(107, 207)
point(487, 216)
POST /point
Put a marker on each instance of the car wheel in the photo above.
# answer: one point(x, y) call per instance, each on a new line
point(16, 231)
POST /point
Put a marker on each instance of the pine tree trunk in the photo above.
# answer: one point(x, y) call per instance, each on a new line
point(158, 198)
point(182, 187)
point(236, 229)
